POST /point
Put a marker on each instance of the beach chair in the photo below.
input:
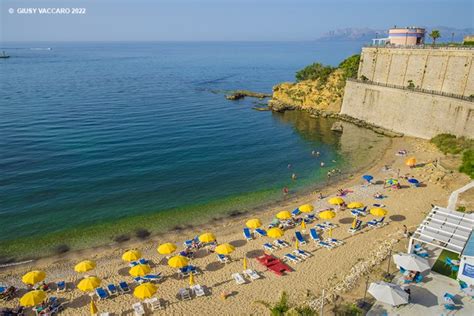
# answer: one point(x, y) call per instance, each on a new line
point(222, 258)
point(321, 226)
point(133, 263)
point(101, 293)
point(139, 280)
point(330, 225)
point(252, 274)
point(334, 241)
point(104, 314)
point(300, 238)
point(123, 286)
point(261, 232)
point(154, 303)
point(112, 289)
point(184, 294)
point(301, 253)
point(61, 286)
point(309, 218)
point(138, 309)
point(248, 234)
point(239, 279)
point(326, 245)
point(152, 277)
point(313, 233)
point(296, 212)
point(198, 290)
point(280, 243)
point(372, 223)
point(449, 302)
point(268, 246)
point(291, 258)
point(356, 228)
point(143, 261)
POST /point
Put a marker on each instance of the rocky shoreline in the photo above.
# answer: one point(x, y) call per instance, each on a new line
point(240, 94)
point(278, 106)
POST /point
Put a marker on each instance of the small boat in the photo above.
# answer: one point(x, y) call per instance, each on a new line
point(3, 55)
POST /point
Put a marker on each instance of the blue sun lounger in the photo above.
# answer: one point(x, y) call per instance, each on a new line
point(292, 258)
point(261, 232)
point(61, 286)
point(357, 227)
point(124, 287)
point(112, 289)
point(101, 293)
point(313, 233)
point(299, 237)
point(295, 212)
point(248, 234)
point(152, 277)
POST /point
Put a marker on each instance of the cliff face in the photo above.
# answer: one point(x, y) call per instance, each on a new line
point(310, 94)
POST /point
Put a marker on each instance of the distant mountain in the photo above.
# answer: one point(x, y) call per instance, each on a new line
point(367, 34)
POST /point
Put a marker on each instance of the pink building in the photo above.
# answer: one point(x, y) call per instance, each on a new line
point(406, 36)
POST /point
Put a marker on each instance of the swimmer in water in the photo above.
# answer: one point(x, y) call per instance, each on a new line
point(293, 176)
point(317, 154)
point(289, 166)
point(322, 164)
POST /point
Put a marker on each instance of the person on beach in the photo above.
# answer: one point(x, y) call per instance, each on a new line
point(320, 196)
point(285, 190)
point(405, 231)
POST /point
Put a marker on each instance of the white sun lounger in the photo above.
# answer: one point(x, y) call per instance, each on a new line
point(198, 290)
point(292, 258)
point(154, 303)
point(280, 243)
point(138, 309)
point(268, 246)
point(334, 241)
point(239, 279)
point(184, 294)
point(326, 245)
point(252, 274)
point(301, 253)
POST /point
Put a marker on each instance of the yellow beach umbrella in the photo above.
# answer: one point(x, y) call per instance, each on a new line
point(166, 248)
point(275, 232)
point(303, 225)
point(93, 308)
point(354, 223)
point(253, 223)
point(284, 215)
point(140, 270)
point(178, 262)
point(207, 237)
point(33, 298)
point(378, 211)
point(84, 266)
point(145, 290)
point(353, 205)
point(89, 284)
point(132, 255)
point(306, 208)
point(225, 249)
point(336, 201)
point(245, 263)
point(411, 162)
point(33, 277)
point(191, 279)
point(327, 215)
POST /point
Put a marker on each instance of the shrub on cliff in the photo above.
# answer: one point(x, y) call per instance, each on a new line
point(350, 66)
point(316, 71)
point(450, 144)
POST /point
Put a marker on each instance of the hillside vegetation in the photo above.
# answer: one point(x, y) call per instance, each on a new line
point(450, 144)
point(317, 86)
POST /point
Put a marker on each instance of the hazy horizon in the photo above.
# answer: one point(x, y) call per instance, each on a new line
point(223, 20)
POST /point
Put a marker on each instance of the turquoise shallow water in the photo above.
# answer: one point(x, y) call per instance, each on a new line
point(95, 132)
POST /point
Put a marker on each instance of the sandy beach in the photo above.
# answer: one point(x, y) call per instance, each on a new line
point(323, 270)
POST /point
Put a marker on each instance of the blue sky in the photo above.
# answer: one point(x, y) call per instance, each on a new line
point(215, 20)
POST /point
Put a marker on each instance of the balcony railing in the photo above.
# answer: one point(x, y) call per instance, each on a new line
point(444, 94)
point(426, 46)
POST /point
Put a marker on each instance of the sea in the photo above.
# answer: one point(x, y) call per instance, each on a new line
point(99, 140)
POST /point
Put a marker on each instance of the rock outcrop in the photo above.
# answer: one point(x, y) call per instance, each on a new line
point(310, 94)
point(240, 94)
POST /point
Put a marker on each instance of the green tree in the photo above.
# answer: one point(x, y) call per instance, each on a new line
point(316, 71)
point(435, 34)
point(280, 307)
point(350, 66)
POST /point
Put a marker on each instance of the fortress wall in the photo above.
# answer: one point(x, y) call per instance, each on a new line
point(441, 69)
point(412, 113)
